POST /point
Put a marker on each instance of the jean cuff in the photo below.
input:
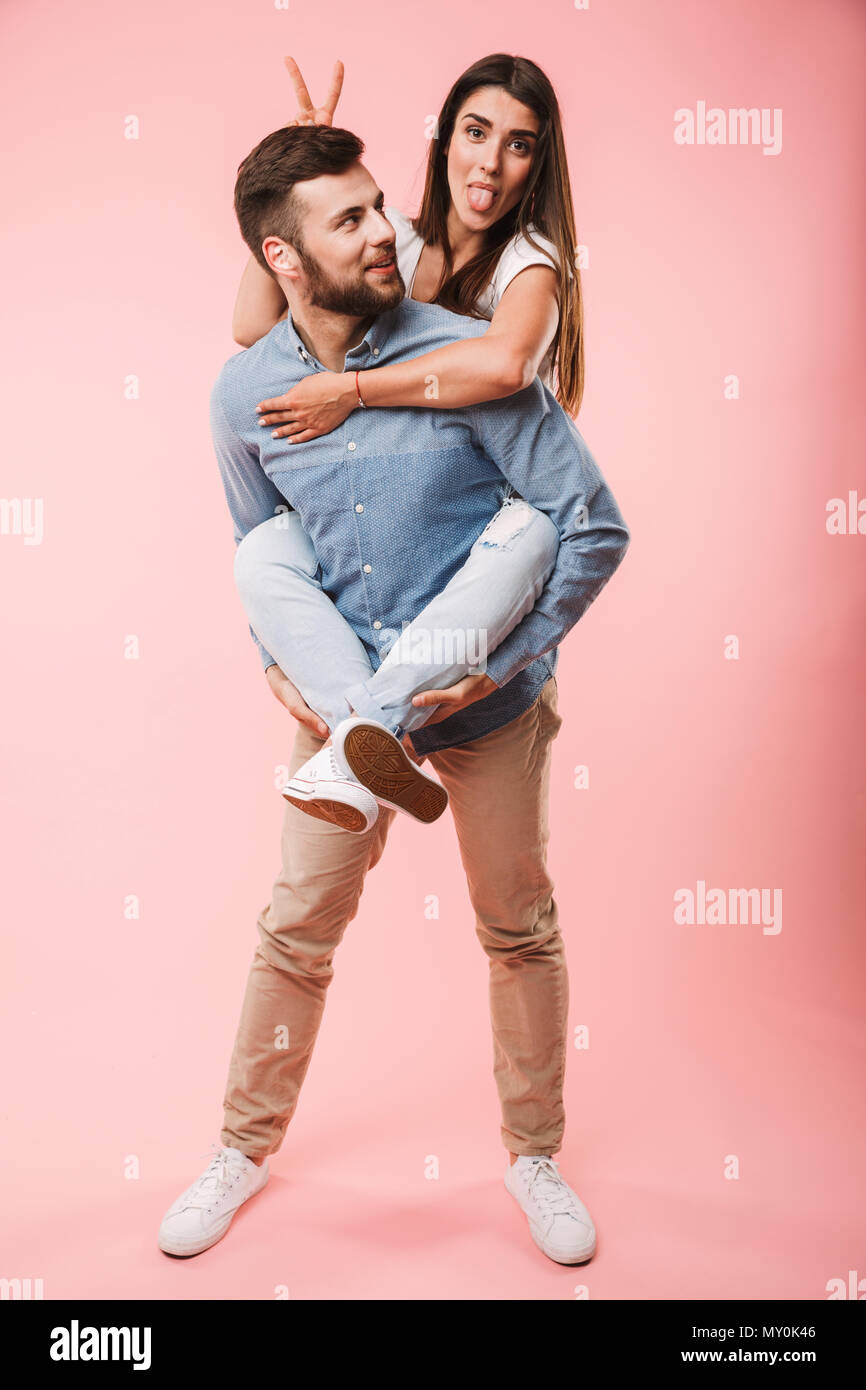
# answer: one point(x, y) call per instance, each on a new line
point(363, 703)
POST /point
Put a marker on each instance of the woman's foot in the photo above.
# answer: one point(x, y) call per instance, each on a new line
point(321, 788)
point(374, 757)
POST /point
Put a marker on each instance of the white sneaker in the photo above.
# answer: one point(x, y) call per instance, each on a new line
point(559, 1223)
point(370, 753)
point(203, 1213)
point(322, 788)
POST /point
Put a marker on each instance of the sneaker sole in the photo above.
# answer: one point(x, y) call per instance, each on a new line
point(560, 1258)
point(177, 1249)
point(380, 763)
point(337, 812)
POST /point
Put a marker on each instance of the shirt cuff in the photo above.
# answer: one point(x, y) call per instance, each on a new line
point(501, 668)
point(267, 659)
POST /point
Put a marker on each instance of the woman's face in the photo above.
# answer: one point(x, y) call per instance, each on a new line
point(489, 156)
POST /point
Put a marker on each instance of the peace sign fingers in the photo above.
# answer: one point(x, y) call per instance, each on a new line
point(306, 115)
point(329, 106)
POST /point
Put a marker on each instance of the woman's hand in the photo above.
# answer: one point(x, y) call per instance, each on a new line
point(307, 113)
point(315, 406)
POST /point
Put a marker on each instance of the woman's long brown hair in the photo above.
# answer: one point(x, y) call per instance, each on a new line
point(546, 204)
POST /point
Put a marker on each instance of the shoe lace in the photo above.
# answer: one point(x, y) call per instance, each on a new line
point(336, 771)
point(549, 1189)
point(326, 760)
point(215, 1181)
point(343, 774)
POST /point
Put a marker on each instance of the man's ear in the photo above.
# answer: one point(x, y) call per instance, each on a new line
point(281, 256)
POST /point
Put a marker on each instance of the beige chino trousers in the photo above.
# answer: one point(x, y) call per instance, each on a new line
point(498, 789)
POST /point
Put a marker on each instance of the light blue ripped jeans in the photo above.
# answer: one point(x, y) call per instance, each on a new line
point(277, 576)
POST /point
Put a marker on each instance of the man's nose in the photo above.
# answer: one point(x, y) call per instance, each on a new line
point(381, 230)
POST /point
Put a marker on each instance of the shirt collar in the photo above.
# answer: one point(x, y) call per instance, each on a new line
point(371, 343)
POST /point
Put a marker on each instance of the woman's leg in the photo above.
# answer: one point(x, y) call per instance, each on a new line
point(499, 583)
point(277, 576)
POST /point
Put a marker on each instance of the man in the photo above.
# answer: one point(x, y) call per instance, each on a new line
point(392, 503)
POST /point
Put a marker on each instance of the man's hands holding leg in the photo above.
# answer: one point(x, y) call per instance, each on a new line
point(452, 699)
point(289, 695)
point(465, 692)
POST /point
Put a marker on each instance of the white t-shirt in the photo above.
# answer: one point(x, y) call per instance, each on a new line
point(516, 255)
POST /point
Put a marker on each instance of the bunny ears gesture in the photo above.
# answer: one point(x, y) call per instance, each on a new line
point(307, 113)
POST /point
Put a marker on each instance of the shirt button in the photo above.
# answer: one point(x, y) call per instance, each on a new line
point(375, 352)
point(377, 624)
point(351, 444)
point(368, 569)
point(359, 506)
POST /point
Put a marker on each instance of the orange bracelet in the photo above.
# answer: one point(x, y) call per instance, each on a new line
point(358, 392)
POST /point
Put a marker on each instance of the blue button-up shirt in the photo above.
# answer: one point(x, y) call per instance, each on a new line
point(407, 491)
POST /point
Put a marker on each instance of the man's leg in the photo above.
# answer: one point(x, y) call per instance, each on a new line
point(314, 899)
point(498, 789)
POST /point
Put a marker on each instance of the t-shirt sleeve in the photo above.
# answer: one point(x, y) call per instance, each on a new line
point(405, 232)
point(408, 244)
point(398, 219)
point(518, 254)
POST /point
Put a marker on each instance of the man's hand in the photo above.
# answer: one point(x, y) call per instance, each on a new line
point(456, 697)
point(288, 695)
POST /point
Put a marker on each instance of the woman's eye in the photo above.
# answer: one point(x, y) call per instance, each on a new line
point(474, 130)
point(524, 148)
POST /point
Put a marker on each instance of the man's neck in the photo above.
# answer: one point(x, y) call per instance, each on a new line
point(328, 336)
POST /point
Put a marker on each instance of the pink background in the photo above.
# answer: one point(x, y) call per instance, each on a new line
point(155, 776)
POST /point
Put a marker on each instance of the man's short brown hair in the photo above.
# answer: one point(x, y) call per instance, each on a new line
point(265, 204)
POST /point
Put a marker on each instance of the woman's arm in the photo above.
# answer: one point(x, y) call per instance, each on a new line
point(260, 302)
point(473, 370)
point(505, 360)
point(259, 305)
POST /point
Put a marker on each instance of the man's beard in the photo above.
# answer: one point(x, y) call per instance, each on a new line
point(356, 299)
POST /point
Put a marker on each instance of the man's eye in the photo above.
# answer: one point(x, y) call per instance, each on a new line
point(346, 220)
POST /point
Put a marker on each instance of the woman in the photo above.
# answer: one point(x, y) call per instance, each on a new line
point(494, 238)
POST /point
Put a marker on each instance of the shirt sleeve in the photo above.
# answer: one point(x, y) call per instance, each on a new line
point(542, 454)
point(251, 496)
